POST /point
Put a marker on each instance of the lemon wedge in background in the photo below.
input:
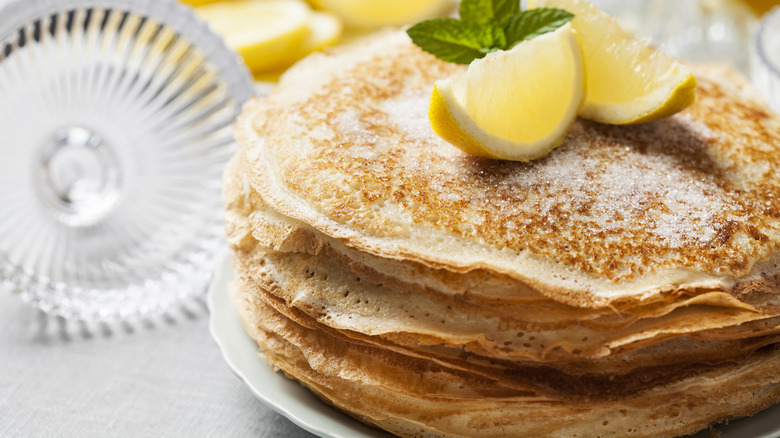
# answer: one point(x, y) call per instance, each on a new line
point(627, 81)
point(323, 29)
point(760, 7)
point(516, 104)
point(264, 32)
point(198, 2)
point(377, 13)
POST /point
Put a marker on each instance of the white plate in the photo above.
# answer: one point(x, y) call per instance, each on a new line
point(304, 409)
point(281, 394)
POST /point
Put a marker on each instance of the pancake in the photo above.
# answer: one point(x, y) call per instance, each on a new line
point(354, 297)
point(626, 285)
point(412, 397)
point(686, 202)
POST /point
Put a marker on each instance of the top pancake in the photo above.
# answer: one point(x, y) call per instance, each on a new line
point(688, 202)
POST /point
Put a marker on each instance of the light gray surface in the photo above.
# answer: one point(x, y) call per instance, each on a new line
point(166, 378)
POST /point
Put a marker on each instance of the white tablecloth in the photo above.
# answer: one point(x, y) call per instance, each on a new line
point(162, 379)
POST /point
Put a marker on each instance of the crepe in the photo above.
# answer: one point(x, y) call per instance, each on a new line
point(626, 284)
point(418, 398)
point(344, 145)
point(528, 325)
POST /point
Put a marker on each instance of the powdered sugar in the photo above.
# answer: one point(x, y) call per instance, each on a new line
point(698, 126)
point(614, 188)
point(362, 142)
point(409, 114)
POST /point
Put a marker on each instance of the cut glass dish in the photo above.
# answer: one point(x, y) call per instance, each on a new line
point(115, 124)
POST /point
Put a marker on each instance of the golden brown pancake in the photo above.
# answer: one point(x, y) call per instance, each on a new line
point(627, 284)
point(413, 396)
point(344, 145)
point(319, 280)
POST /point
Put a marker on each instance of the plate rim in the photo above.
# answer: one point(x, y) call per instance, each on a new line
point(302, 407)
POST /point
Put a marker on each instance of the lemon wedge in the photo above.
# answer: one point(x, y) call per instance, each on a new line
point(627, 81)
point(324, 30)
point(198, 2)
point(760, 7)
point(264, 32)
point(377, 13)
point(516, 104)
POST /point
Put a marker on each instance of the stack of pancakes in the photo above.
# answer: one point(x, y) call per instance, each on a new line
point(627, 284)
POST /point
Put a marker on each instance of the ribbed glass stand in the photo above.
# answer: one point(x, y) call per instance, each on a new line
point(115, 125)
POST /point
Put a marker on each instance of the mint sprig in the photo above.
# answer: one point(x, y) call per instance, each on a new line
point(484, 26)
point(488, 11)
point(457, 41)
point(534, 22)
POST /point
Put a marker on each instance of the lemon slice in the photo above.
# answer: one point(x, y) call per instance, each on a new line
point(377, 13)
point(760, 7)
point(262, 31)
point(198, 2)
point(516, 104)
point(627, 81)
point(324, 30)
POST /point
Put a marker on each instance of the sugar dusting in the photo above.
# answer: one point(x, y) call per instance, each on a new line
point(612, 194)
point(607, 189)
point(409, 114)
point(697, 126)
point(363, 141)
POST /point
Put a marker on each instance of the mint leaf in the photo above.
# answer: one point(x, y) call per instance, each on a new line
point(503, 10)
point(488, 11)
point(531, 23)
point(476, 11)
point(493, 38)
point(485, 26)
point(457, 41)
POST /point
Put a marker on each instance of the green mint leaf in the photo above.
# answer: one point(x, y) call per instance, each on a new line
point(531, 23)
point(503, 10)
point(488, 11)
point(457, 41)
point(476, 11)
point(492, 38)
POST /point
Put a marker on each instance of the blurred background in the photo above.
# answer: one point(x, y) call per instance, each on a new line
point(695, 30)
